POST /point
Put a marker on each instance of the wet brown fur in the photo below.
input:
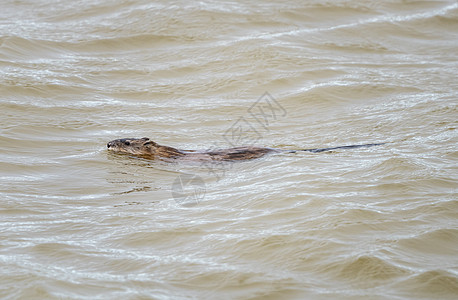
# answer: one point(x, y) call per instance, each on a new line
point(146, 148)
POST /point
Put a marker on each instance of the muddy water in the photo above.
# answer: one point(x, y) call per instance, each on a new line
point(77, 222)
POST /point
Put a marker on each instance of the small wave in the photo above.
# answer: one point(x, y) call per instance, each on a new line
point(121, 44)
point(438, 284)
point(359, 270)
point(438, 242)
point(17, 48)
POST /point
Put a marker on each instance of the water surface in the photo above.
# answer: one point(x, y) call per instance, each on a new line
point(77, 222)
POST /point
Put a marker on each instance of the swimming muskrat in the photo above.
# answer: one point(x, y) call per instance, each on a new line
point(146, 148)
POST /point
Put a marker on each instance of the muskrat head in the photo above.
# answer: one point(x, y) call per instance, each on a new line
point(141, 146)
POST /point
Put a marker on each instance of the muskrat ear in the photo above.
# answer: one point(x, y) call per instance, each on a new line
point(149, 143)
point(145, 139)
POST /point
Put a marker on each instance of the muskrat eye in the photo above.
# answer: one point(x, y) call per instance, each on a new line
point(126, 143)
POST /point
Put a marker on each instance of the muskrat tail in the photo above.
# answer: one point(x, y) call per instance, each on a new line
point(316, 150)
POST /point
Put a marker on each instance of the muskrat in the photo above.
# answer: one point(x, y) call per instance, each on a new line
point(146, 148)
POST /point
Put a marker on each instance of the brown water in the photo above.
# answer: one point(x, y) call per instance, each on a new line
point(77, 222)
